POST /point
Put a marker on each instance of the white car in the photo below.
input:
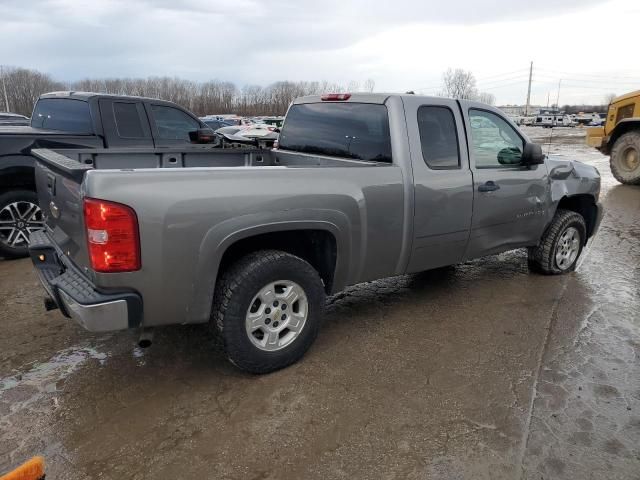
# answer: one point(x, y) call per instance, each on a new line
point(256, 130)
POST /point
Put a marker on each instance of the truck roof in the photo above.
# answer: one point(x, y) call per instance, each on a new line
point(85, 96)
point(359, 97)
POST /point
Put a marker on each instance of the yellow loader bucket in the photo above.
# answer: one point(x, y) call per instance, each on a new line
point(30, 470)
point(595, 136)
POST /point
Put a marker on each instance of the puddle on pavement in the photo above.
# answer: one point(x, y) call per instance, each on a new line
point(43, 378)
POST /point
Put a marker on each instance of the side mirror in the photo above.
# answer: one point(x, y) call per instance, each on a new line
point(202, 135)
point(532, 154)
point(510, 156)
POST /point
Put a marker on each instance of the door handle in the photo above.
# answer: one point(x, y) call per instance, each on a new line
point(489, 186)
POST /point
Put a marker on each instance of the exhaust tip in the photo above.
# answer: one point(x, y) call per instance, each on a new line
point(146, 338)
point(50, 304)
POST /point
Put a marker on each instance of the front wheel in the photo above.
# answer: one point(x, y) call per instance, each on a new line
point(625, 158)
point(267, 310)
point(561, 245)
point(19, 216)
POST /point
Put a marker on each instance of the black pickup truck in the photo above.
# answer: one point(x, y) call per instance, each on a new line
point(79, 120)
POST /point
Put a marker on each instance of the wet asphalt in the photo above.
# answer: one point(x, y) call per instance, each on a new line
point(482, 370)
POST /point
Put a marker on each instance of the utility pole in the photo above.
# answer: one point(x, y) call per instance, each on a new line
point(558, 97)
point(548, 93)
point(4, 87)
point(526, 108)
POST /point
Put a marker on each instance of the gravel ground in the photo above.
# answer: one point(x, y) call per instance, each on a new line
point(479, 371)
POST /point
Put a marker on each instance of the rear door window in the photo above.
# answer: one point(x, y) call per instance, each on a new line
point(350, 130)
point(63, 114)
point(128, 120)
point(125, 123)
point(438, 137)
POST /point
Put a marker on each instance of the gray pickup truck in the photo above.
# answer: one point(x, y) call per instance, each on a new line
point(360, 187)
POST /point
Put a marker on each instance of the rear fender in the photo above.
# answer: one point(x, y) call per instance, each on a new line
point(17, 171)
point(222, 236)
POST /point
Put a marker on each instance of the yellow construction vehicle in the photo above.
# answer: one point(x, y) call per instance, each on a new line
point(620, 138)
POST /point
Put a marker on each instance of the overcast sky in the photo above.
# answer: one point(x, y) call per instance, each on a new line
point(402, 45)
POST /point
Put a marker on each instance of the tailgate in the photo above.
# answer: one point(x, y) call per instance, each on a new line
point(58, 181)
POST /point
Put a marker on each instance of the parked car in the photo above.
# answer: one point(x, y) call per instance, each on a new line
point(257, 130)
point(7, 118)
point(262, 135)
point(79, 120)
point(592, 119)
point(362, 186)
point(274, 121)
point(216, 124)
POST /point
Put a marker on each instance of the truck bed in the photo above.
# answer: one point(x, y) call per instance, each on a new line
point(76, 162)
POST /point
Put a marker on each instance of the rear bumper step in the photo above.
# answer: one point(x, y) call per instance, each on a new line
point(77, 297)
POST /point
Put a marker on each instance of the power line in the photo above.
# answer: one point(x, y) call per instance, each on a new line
point(604, 76)
point(488, 79)
point(502, 74)
point(496, 82)
point(520, 82)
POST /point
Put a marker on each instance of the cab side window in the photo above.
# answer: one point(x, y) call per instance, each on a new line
point(438, 137)
point(173, 124)
point(495, 143)
point(127, 119)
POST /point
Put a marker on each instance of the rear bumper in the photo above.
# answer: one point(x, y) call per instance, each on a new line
point(77, 297)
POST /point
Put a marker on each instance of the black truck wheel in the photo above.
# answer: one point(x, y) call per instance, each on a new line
point(625, 158)
point(561, 244)
point(267, 310)
point(19, 216)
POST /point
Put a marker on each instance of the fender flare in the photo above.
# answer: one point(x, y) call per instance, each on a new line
point(222, 236)
point(16, 165)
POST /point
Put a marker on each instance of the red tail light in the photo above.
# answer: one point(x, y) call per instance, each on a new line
point(332, 97)
point(112, 236)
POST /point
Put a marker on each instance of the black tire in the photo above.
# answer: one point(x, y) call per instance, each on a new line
point(9, 248)
point(622, 163)
point(542, 259)
point(234, 294)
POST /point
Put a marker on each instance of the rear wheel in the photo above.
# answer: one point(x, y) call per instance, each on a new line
point(267, 310)
point(625, 158)
point(19, 216)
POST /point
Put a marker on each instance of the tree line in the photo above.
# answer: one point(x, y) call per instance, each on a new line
point(20, 88)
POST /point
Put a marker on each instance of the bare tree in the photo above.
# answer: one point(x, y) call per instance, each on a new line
point(488, 98)
point(211, 97)
point(459, 83)
point(608, 98)
point(369, 85)
point(354, 86)
point(23, 86)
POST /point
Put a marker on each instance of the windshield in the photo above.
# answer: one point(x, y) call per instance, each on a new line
point(64, 114)
point(351, 130)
